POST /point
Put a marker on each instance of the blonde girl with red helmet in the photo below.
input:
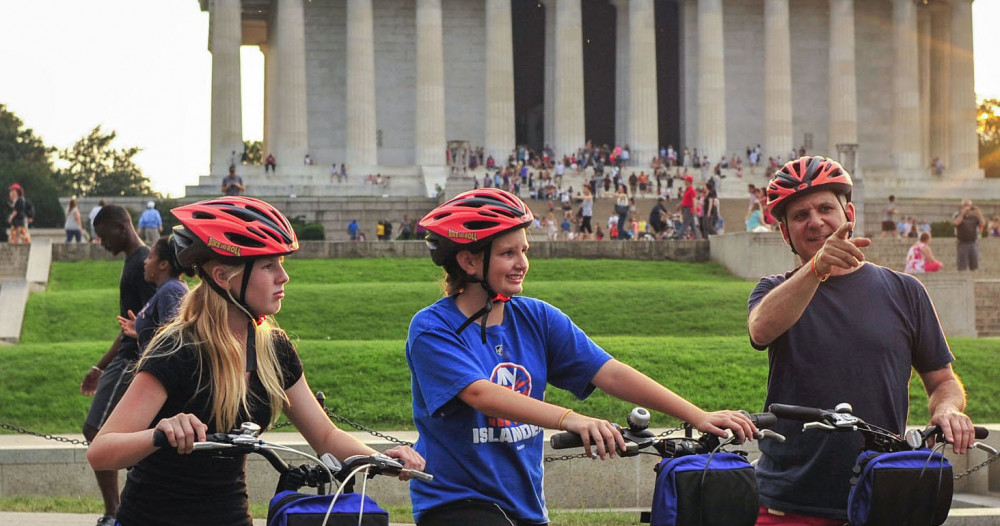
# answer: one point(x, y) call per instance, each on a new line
point(222, 361)
point(480, 360)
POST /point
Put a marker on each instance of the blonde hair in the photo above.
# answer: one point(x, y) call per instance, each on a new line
point(202, 322)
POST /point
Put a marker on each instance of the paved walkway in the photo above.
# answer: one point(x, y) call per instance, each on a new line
point(13, 518)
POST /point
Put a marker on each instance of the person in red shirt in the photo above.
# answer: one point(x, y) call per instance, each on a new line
point(687, 209)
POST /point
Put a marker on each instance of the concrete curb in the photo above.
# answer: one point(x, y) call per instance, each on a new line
point(13, 299)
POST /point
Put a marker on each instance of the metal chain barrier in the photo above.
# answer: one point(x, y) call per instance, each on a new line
point(974, 469)
point(395, 440)
point(46, 436)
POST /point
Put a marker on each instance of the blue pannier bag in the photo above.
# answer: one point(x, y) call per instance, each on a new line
point(905, 487)
point(290, 508)
point(717, 489)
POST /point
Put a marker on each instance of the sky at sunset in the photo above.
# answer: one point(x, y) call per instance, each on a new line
point(142, 68)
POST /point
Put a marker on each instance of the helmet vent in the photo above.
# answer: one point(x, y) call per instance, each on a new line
point(267, 233)
point(198, 214)
point(242, 214)
point(244, 241)
point(480, 225)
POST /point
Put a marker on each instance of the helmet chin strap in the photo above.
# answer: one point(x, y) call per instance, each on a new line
point(491, 298)
point(254, 320)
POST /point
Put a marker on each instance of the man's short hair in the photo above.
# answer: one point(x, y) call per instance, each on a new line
point(113, 214)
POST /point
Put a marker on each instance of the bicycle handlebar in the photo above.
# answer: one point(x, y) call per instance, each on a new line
point(638, 437)
point(377, 464)
point(842, 419)
point(795, 412)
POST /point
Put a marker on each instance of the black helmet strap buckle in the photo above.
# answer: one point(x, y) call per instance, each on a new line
point(491, 297)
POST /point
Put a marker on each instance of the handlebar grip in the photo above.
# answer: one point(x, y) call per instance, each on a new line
point(796, 412)
point(981, 432)
point(763, 420)
point(160, 439)
point(565, 440)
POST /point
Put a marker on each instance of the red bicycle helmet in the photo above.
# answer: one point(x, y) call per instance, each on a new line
point(231, 229)
point(804, 175)
point(472, 219)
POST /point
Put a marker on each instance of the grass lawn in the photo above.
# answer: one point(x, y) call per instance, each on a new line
point(682, 324)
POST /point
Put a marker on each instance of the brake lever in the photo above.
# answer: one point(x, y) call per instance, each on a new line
point(818, 425)
point(767, 433)
point(986, 447)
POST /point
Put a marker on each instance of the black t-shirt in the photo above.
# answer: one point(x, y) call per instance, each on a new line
point(968, 230)
point(170, 489)
point(133, 293)
point(19, 215)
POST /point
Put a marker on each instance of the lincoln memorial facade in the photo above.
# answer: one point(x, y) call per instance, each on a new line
point(374, 83)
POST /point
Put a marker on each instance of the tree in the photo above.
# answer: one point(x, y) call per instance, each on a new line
point(26, 160)
point(254, 152)
point(988, 121)
point(96, 169)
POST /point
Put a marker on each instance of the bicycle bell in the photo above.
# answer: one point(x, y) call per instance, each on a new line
point(914, 438)
point(638, 420)
point(249, 429)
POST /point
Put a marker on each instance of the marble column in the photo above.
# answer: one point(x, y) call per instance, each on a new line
point(360, 133)
point(843, 75)
point(270, 97)
point(568, 128)
point(643, 114)
point(964, 141)
point(924, 39)
point(225, 37)
point(777, 79)
point(622, 136)
point(548, 125)
point(291, 130)
point(711, 81)
point(430, 130)
point(499, 133)
point(940, 117)
point(906, 90)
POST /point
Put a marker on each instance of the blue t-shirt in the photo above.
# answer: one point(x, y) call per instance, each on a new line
point(150, 218)
point(472, 455)
point(159, 310)
point(856, 342)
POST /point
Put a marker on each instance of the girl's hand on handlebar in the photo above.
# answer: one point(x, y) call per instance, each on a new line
point(957, 428)
point(182, 431)
point(718, 422)
point(606, 437)
point(409, 457)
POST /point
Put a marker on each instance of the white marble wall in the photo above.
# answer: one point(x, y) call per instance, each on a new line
point(464, 42)
point(810, 38)
point(464, 71)
point(873, 31)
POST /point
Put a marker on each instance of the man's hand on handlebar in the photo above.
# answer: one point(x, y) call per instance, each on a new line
point(957, 428)
point(182, 431)
point(409, 457)
point(606, 437)
point(718, 422)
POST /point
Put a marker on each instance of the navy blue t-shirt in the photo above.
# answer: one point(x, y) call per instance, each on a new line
point(856, 342)
point(160, 309)
point(472, 455)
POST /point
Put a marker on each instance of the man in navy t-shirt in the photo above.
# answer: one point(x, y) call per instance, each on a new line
point(839, 329)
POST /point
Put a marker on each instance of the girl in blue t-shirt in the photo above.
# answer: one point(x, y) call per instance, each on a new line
point(161, 270)
point(478, 395)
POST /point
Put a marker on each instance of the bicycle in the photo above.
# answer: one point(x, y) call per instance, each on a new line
point(894, 480)
point(288, 506)
point(698, 482)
